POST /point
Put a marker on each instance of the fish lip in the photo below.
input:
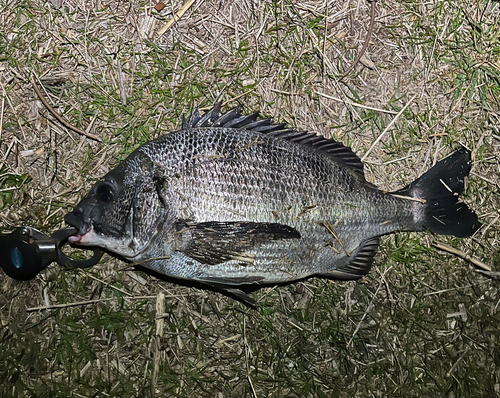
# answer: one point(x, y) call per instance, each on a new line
point(85, 229)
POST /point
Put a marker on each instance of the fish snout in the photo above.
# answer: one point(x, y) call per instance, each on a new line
point(76, 219)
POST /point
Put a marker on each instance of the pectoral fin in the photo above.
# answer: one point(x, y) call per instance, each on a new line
point(217, 242)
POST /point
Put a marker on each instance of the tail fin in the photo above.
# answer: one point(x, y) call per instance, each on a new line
point(440, 186)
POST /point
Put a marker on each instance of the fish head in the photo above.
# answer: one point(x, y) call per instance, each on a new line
point(122, 212)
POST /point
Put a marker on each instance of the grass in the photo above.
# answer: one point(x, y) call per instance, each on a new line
point(422, 323)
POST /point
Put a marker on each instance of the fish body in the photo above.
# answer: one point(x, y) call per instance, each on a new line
point(233, 200)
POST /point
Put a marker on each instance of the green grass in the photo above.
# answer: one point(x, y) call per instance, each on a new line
point(422, 324)
point(9, 185)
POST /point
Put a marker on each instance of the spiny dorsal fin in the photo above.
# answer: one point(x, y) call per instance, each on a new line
point(333, 148)
point(230, 119)
point(234, 119)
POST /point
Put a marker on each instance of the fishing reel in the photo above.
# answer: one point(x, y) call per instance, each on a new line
point(26, 251)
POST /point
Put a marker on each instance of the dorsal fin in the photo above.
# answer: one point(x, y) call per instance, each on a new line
point(329, 146)
point(235, 119)
point(230, 119)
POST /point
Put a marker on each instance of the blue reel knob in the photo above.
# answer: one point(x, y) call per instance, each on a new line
point(25, 252)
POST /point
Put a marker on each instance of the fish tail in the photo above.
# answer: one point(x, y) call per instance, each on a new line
point(438, 189)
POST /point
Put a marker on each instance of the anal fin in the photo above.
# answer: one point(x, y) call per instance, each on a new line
point(360, 263)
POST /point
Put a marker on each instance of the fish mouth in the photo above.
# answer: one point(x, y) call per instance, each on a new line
point(85, 229)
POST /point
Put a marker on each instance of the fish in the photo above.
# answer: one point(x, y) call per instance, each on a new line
point(237, 202)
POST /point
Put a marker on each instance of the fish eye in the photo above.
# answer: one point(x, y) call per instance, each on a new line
point(105, 192)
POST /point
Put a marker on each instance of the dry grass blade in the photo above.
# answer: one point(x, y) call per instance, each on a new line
point(178, 15)
point(83, 303)
point(247, 355)
point(345, 101)
point(123, 90)
point(160, 325)
point(2, 108)
point(459, 253)
point(379, 138)
point(367, 40)
point(59, 117)
point(66, 305)
point(331, 229)
point(368, 309)
point(420, 200)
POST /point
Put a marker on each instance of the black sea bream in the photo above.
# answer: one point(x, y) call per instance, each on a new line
point(232, 200)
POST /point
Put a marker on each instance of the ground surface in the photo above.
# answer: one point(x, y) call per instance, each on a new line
point(423, 323)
